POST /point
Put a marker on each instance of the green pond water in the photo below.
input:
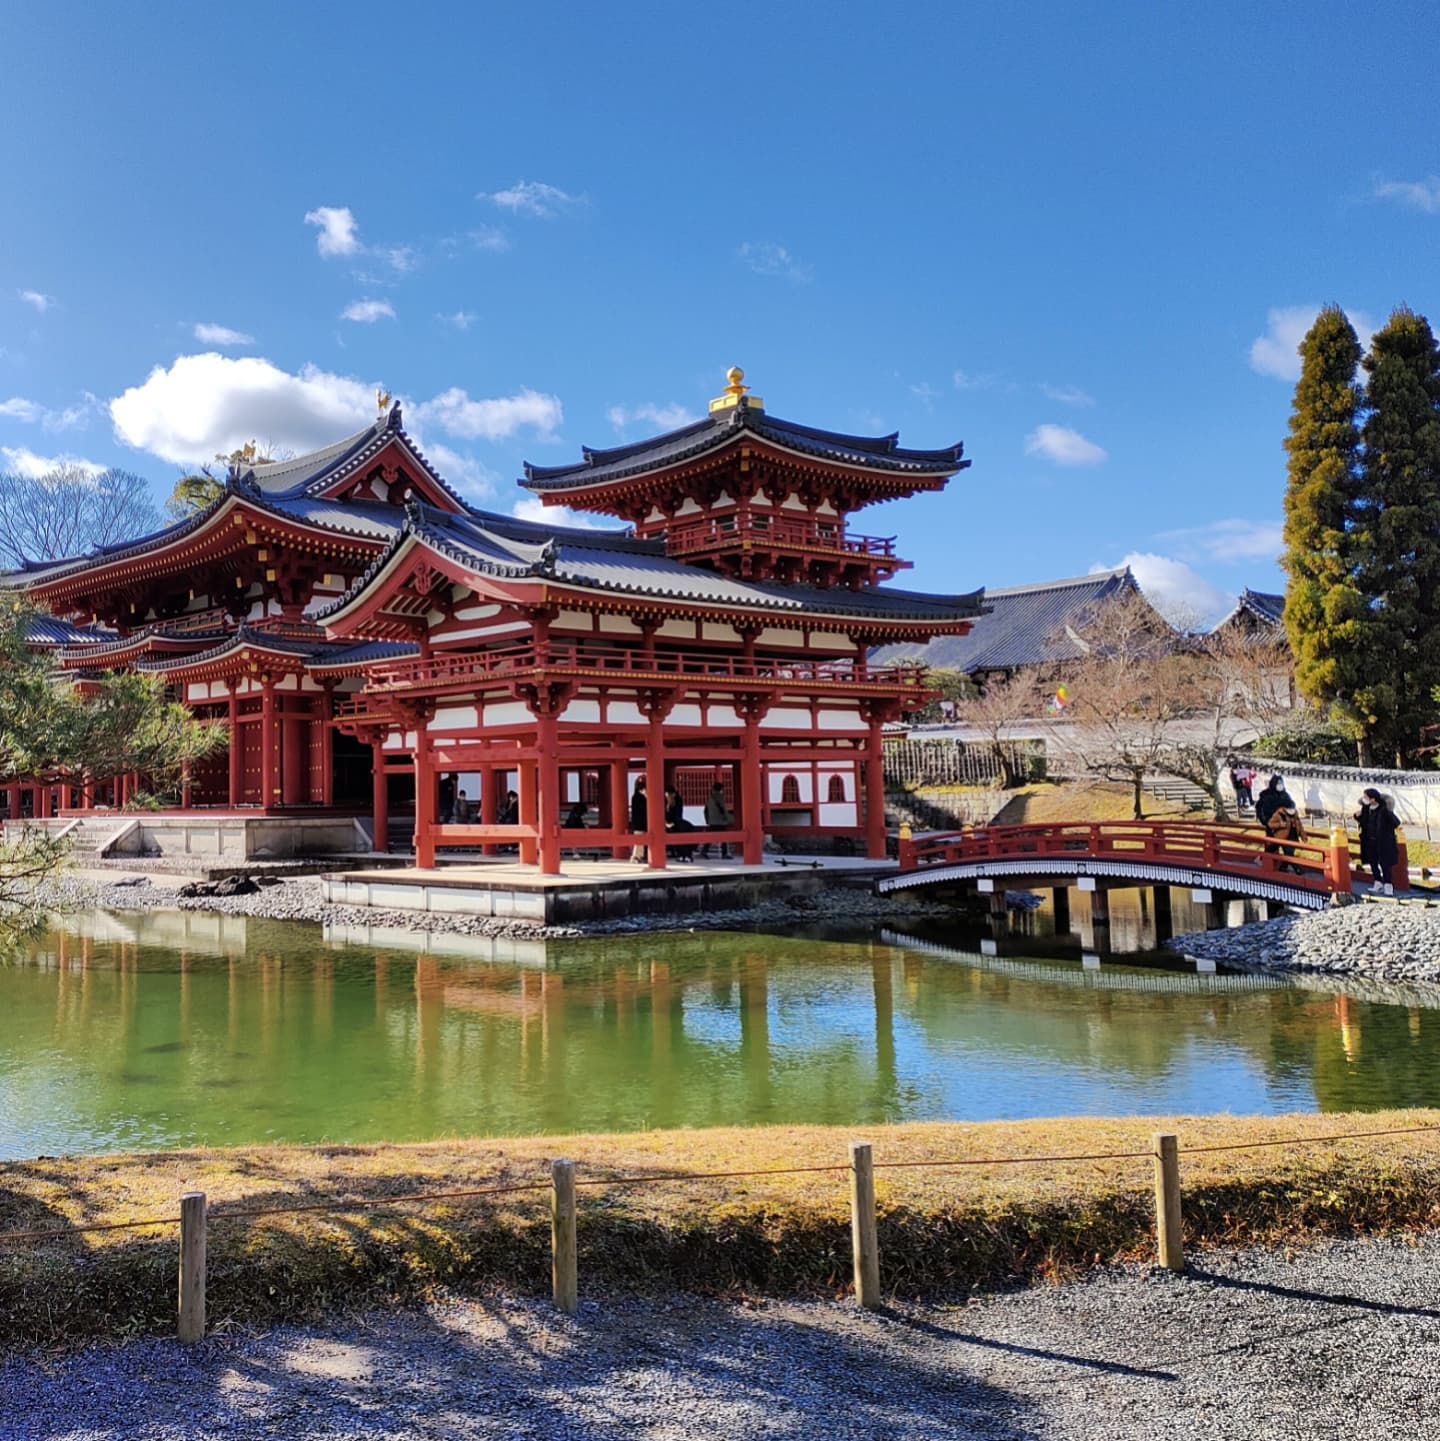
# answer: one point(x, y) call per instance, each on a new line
point(170, 1029)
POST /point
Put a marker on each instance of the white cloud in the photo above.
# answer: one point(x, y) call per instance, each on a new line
point(532, 508)
point(1068, 394)
point(926, 394)
point(368, 311)
point(489, 237)
point(457, 414)
point(661, 417)
point(18, 409)
point(401, 258)
point(23, 461)
point(210, 404)
point(208, 334)
point(1421, 195)
point(338, 230)
point(1181, 595)
point(36, 299)
point(1063, 445)
point(458, 319)
point(471, 477)
point(764, 257)
point(968, 380)
point(534, 198)
point(1277, 352)
point(1230, 540)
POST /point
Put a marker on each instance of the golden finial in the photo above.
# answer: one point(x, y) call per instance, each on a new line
point(247, 451)
point(735, 392)
point(382, 400)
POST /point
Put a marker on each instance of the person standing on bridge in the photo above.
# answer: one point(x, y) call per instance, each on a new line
point(1271, 799)
point(1378, 846)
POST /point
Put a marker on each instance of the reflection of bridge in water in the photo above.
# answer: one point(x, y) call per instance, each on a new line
point(1090, 977)
point(1096, 855)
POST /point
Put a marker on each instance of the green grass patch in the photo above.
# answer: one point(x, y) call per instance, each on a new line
point(943, 1232)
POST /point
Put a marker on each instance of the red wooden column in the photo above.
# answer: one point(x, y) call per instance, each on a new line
point(655, 790)
point(489, 802)
point(236, 743)
point(875, 793)
point(267, 745)
point(529, 813)
point(620, 803)
point(752, 792)
point(547, 777)
point(42, 803)
point(294, 759)
point(425, 798)
point(326, 707)
point(380, 797)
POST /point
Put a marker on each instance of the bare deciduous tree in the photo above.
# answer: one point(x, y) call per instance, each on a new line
point(69, 511)
point(995, 710)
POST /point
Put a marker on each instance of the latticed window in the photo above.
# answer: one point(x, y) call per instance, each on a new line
point(837, 790)
point(790, 791)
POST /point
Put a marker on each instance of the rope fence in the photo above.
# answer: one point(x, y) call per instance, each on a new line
point(196, 1215)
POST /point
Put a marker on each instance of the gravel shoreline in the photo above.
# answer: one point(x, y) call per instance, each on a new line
point(1382, 942)
point(1340, 1340)
point(300, 899)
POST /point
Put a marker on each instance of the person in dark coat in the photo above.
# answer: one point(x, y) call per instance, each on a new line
point(1378, 847)
point(675, 821)
point(639, 819)
point(1271, 799)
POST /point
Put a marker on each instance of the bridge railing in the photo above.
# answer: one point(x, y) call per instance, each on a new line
point(1249, 851)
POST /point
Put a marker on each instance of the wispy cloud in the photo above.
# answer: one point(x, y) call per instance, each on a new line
point(23, 461)
point(1062, 445)
point(488, 237)
point(1277, 352)
point(1422, 195)
point(339, 232)
point(533, 198)
point(971, 380)
point(765, 257)
point(208, 334)
point(533, 509)
point(454, 412)
point(401, 258)
point(661, 417)
point(368, 311)
point(1068, 395)
point(926, 394)
point(18, 409)
point(37, 300)
point(471, 477)
point(1179, 593)
point(1228, 540)
point(458, 319)
point(31, 412)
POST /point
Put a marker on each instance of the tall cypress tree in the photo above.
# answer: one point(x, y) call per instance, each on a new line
point(1325, 613)
point(1398, 535)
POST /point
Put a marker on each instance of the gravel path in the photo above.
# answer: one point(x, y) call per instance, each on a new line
point(1338, 1341)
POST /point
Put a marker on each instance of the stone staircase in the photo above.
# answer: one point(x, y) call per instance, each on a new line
point(1177, 792)
point(88, 840)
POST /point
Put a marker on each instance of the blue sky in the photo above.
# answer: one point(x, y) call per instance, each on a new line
point(1082, 237)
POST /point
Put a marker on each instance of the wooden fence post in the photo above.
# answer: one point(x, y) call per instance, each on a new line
point(862, 1226)
point(192, 1266)
point(562, 1236)
point(1169, 1235)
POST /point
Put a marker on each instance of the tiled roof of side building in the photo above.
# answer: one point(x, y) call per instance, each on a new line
point(244, 638)
point(880, 453)
point(502, 547)
point(1266, 605)
point(51, 630)
point(348, 657)
point(1026, 626)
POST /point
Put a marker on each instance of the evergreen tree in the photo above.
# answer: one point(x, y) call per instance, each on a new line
point(1325, 613)
point(1397, 540)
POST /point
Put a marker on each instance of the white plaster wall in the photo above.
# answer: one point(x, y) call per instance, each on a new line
point(582, 711)
point(618, 625)
point(842, 720)
point(781, 718)
point(454, 717)
point(831, 814)
point(775, 635)
point(685, 715)
point(507, 713)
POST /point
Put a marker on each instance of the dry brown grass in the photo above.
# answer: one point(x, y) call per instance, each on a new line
point(943, 1231)
point(1086, 801)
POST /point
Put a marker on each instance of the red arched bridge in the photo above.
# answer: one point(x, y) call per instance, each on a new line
point(1236, 860)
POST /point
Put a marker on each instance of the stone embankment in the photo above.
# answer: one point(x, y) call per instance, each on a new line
point(1383, 942)
point(301, 900)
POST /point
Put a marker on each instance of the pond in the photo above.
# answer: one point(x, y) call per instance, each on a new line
point(171, 1029)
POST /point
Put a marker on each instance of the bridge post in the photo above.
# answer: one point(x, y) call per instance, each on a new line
point(1337, 861)
point(906, 850)
point(1400, 871)
point(1164, 924)
point(1060, 905)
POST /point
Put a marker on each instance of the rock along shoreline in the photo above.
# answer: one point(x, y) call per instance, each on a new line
point(300, 899)
point(1382, 942)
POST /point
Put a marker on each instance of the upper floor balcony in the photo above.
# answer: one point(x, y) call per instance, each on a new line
point(754, 529)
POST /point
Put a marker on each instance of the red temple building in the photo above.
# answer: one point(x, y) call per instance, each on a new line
point(377, 646)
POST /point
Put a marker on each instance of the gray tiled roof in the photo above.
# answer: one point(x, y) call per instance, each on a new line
point(349, 656)
point(1263, 605)
point(499, 545)
point(49, 630)
point(1026, 626)
point(879, 453)
point(245, 637)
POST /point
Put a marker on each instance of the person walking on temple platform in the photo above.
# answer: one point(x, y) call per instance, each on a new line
point(717, 818)
point(1378, 846)
point(639, 820)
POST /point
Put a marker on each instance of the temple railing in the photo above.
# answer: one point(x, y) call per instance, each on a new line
point(718, 534)
point(470, 668)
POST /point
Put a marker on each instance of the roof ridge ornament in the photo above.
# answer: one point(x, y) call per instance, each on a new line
point(737, 396)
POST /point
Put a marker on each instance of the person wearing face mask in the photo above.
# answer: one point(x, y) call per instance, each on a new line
point(1378, 847)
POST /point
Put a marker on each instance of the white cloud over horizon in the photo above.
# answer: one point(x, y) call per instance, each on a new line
point(1178, 592)
point(532, 508)
point(1229, 540)
point(1063, 446)
point(1422, 195)
point(765, 257)
point(662, 417)
point(470, 476)
point(36, 299)
point(339, 232)
point(1067, 395)
point(31, 412)
point(533, 198)
point(21, 460)
point(1276, 353)
point(208, 334)
point(208, 404)
point(367, 312)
